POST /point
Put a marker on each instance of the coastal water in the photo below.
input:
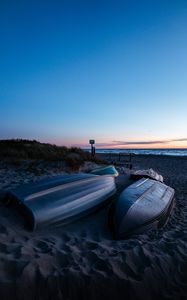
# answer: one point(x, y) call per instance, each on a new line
point(170, 152)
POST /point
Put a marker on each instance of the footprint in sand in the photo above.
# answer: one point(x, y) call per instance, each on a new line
point(3, 229)
point(3, 248)
point(41, 247)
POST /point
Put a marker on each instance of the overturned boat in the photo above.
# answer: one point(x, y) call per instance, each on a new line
point(63, 198)
point(149, 173)
point(106, 170)
point(141, 206)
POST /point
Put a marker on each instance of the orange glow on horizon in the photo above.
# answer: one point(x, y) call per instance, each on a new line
point(110, 145)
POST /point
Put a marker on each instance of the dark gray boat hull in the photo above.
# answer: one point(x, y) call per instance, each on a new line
point(61, 199)
point(143, 205)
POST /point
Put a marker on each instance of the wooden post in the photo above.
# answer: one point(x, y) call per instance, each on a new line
point(110, 156)
point(92, 142)
point(130, 160)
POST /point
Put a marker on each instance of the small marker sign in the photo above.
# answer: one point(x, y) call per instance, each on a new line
point(92, 142)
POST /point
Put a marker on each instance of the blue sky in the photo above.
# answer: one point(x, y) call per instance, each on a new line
point(115, 71)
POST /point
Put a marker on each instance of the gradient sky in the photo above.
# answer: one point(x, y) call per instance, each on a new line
point(115, 71)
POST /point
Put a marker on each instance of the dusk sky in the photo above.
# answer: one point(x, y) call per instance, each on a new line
point(113, 71)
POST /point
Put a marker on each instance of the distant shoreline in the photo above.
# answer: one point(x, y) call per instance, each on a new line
point(154, 152)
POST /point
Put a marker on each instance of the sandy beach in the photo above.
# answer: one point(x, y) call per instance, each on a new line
point(82, 260)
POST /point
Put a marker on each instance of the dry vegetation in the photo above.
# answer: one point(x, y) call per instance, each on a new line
point(15, 151)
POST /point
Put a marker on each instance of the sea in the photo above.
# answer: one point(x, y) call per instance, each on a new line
point(170, 152)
